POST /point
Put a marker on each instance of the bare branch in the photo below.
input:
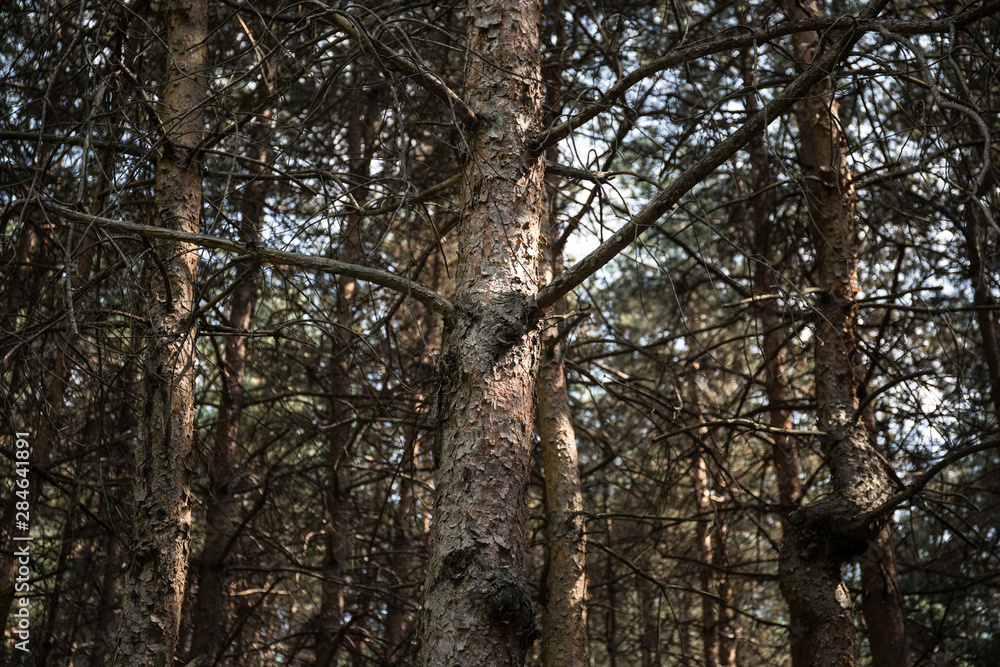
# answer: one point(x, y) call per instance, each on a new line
point(394, 282)
point(671, 195)
point(737, 42)
point(918, 484)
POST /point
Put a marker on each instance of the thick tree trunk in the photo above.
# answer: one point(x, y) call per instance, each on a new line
point(564, 627)
point(155, 576)
point(477, 607)
point(816, 543)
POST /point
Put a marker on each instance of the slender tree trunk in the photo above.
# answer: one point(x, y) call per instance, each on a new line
point(395, 615)
point(105, 604)
point(157, 566)
point(329, 622)
point(564, 628)
point(703, 536)
point(773, 338)
point(816, 543)
point(209, 618)
point(717, 631)
point(477, 607)
point(649, 639)
point(48, 635)
point(611, 612)
point(728, 629)
point(397, 628)
point(986, 314)
point(882, 603)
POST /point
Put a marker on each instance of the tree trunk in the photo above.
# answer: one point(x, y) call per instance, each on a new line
point(209, 619)
point(154, 580)
point(329, 623)
point(649, 639)
point(398, 629)
point(611, 640)
point(564, 621)
point(105, 603)
point(477, 607)
point(564, 630)
point(816, 543)
point(882, 603)
point(703, 535)
point(982, 297)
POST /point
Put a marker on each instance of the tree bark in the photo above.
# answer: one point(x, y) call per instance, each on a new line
point(773, 337)
point(477, 608)
point(155, 576)
point(703, 536)
point(816, 545)
point(982, 297)
point(398, 632)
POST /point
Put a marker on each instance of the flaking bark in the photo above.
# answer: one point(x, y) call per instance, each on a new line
point(817, 543)
point(477, 608)
point(153, 588)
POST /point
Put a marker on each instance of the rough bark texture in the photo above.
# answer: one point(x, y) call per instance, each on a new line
point(154, 581)
point(477, 606)
point(816, 546)
point(564, 628)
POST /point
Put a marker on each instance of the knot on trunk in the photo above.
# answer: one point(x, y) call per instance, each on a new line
point(506, 601)
point(507, 321)
point(825, 527)
point(456, 563)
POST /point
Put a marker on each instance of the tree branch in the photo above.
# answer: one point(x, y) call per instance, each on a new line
point(378, 277)
point(880, 512)
point(864, 23)
point(408, 65)
point(670, 195)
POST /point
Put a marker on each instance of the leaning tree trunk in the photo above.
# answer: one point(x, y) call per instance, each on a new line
point(818, 541)
point(156, 572)
point(477, 607)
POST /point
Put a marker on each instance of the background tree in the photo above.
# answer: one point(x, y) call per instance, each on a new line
point(409, 215)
